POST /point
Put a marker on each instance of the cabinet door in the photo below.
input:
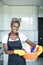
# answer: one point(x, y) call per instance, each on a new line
point(28, 23)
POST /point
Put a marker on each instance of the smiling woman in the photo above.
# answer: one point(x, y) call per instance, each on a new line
point(13, 46)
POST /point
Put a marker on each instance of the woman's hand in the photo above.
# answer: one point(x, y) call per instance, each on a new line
point(19, 52)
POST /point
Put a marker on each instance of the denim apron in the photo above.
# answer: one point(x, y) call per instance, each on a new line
point(15, 59)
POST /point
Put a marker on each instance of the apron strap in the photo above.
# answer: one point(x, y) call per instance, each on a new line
point(17, 36)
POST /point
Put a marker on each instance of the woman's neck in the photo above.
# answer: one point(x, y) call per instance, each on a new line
point(13, 34)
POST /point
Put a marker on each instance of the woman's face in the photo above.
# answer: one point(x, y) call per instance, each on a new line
point(15, 27)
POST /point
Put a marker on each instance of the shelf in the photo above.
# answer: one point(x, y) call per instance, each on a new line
point(19, 30)
point(4, 30)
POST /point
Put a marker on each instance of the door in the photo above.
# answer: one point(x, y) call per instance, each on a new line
point(40, 33)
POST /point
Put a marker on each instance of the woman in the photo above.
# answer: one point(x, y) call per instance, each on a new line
point(12, 42)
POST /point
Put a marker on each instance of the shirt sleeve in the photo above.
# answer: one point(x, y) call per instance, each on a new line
point(4, 39)
point(22, 37)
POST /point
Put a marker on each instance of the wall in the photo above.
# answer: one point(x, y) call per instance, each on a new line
point(1, 15)
point(22, 11)
point(41, 12)
point(1, 18)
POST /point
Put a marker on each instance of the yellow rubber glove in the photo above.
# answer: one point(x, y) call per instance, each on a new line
point(40, 50)
point(19, 52)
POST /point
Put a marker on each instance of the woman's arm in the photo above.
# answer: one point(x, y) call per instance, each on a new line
point(30, 43)
point(19, 52)
point(6, 49)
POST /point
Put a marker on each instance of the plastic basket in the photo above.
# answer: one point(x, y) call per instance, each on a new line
point(33, 55)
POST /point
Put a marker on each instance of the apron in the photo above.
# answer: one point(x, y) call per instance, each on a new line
point(15, 59)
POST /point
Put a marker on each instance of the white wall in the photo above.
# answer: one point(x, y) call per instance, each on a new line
point(40, 11)
point(7, 12)
point(22, 11)
point(1, 18)
point(19, 11)
point(1, 15)
point(30, 30)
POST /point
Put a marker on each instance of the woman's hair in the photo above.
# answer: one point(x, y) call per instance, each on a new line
point(15, 20)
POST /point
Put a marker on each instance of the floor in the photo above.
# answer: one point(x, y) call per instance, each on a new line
point(39, 61)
